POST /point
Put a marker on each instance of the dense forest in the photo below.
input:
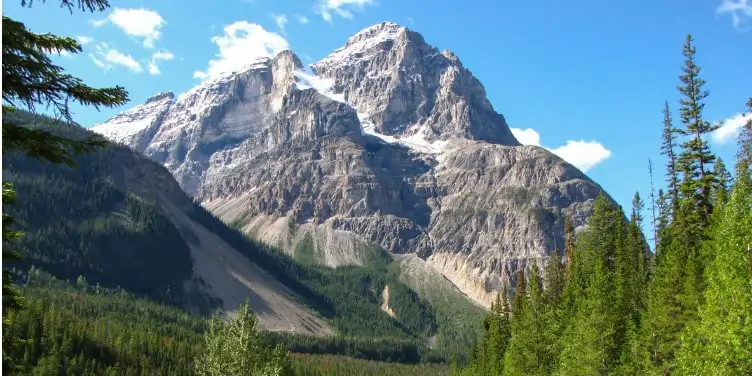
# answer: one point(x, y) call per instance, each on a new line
point(84, 329)
point(611, 307)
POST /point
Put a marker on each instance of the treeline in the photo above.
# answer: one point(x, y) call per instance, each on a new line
point(612, 310)
point(90, 330)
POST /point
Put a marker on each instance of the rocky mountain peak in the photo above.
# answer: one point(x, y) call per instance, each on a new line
point(405, 87)
point(165, 95)
point(387, 141)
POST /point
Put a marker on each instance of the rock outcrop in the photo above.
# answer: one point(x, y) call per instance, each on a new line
point(386, 142)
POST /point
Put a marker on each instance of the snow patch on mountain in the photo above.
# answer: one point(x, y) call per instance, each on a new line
point(128, 124)
point(308, 80)
point(416, 142)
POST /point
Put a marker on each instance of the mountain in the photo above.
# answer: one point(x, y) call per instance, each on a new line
point(118, 220)
point(387, 143)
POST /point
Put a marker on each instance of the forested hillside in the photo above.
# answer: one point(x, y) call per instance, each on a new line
point(116, 239)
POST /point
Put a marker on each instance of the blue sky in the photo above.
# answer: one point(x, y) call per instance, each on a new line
point(586, 80)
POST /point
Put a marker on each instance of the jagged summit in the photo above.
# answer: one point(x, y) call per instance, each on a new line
point(386, 141)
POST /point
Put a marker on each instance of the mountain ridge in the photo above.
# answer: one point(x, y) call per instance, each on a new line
point(385, 142)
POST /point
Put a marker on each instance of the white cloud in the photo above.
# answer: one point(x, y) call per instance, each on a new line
point(280, 20)
point(84, 39)
point(582, 154)
point(160, 55)
point(741, 13)
point(154, 69)
point(67, 54)
point(730, 128)
point(343, 8)
point(302, 20)
point(139, 23)
point(242, 44)
point(526, 136)
point(107, 57)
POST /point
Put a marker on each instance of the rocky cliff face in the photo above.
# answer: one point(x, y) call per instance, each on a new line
point(386, 142)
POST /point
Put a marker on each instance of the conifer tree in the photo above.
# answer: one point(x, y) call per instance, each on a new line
point(668, 148)
point(589, 341)
point(569, 242)
point(31, 79)
point(235, 349)
point(555, 279)
point(720, 189)
point(721, 342)
point(519, 292)
point(696, 157)
point(531, 349)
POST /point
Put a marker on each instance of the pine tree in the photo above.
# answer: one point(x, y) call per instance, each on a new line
point(721, 342)
point(235, 349)
point(531, 349)
point(30, 79)
point(555, 279)
point(668, 148)
point(696, 157)
point(720, 189)
point(569, 242)
point(519, 292)
point(589, 341)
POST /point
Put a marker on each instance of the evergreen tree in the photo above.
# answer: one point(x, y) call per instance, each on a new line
point(531, 349)
point(668, 148)
point(235, 349)
point(30, 79)
point(519, 292)
point(696, 157)
point(569, 242)
point(720, 189)
point(555, 279)
point(589, 343)
point(721, 342)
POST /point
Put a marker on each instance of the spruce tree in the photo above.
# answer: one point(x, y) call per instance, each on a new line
point(721, 342)
point(696, 157)
point(653, 218)
point(31, 79)
point(236, 349)
point(569, 242)
point(589, 343)
point(555, 279)
point(531, 349)
point(668, 148)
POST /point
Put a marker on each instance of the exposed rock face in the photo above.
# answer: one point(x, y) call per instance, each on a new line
point(390, 142)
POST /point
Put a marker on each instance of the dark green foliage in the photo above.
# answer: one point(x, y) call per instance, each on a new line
point(110, 237)
point(92, 330)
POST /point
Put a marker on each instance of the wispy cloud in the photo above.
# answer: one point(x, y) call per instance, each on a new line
point(153, 68)
point(280, 20)
point(138, 23)
point(302, 19)
point(84, 39)
point(582, 154)
point(730, 128)
point(106, 57)
point(411, 20)
point(343, 8)
point(242, 44)
point(740, 11)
